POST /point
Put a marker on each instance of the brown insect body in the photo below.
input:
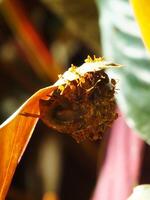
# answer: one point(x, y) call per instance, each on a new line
point(85, 108)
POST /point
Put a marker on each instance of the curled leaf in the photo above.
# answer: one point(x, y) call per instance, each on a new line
point(86, 97)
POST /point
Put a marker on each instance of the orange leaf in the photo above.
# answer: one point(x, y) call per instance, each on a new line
point(14, 136)
point(39, 57)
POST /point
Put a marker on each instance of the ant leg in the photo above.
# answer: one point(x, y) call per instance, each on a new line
point(30, 115)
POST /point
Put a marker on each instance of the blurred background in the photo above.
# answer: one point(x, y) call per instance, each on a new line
point(39, 39)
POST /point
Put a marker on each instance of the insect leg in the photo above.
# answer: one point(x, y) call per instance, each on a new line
point(25, 114)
